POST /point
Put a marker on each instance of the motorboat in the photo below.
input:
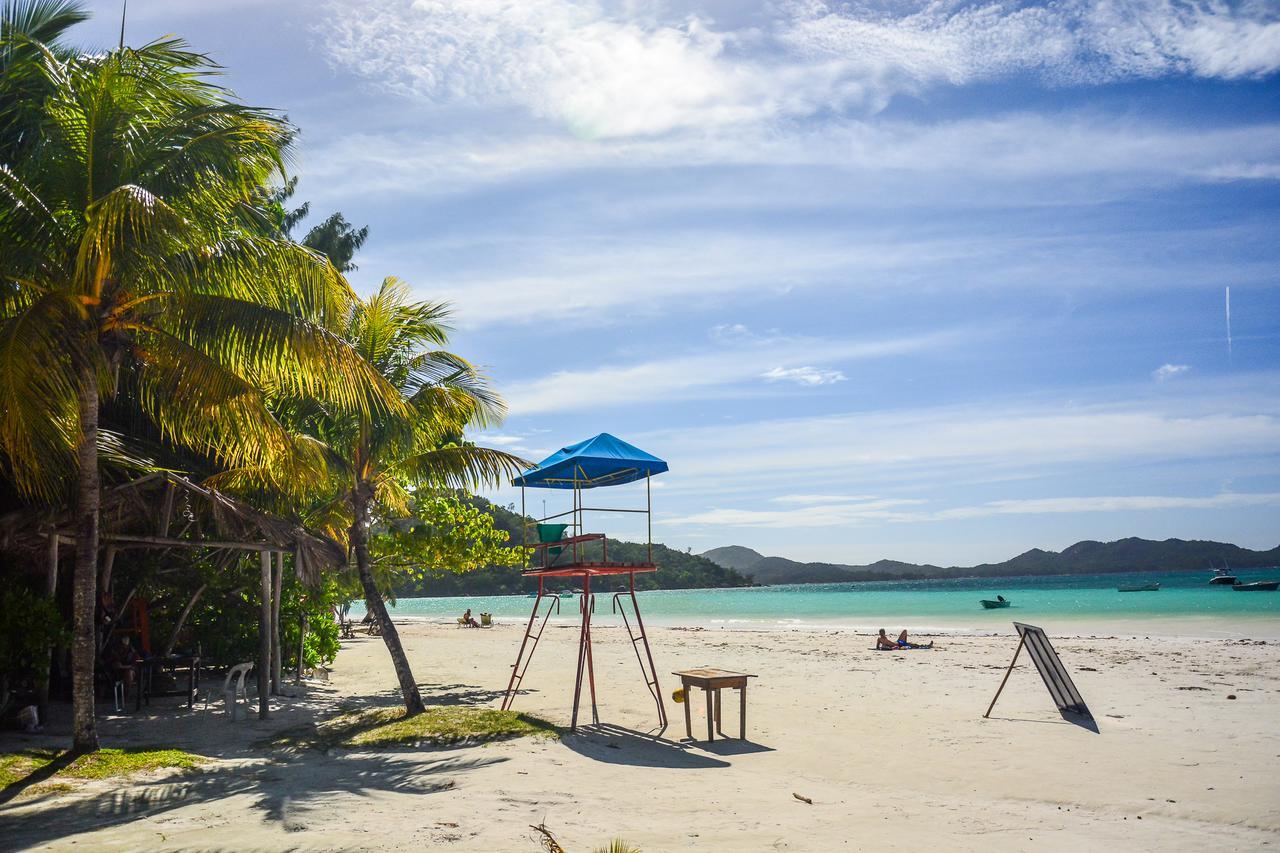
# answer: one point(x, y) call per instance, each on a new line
point(1141, 587)
point(1256, 586)
point(1000, 601)
point(1223, 576)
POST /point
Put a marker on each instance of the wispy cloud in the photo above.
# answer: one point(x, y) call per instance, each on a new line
point(961, 152)
point(1168, 371)
point(809, 376)
point(609, 70)
point(904, 510)
point(698, 374)
point(951, 445)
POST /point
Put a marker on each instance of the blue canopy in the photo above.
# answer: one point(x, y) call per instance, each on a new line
point(600, 461)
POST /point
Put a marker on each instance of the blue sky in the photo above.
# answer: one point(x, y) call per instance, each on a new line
point(930, 281)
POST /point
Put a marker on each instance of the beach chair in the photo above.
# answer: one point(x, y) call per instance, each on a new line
point(232, 693)
point(551, 533)
point(486, 620)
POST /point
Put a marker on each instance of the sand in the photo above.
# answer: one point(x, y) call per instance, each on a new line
point(891, 748)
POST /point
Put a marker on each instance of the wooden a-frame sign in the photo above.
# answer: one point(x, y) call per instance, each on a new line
point(1061, 687)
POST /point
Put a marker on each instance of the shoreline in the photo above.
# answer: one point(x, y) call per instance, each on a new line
point(1243, 627)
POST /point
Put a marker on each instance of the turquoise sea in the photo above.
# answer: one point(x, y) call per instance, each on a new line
point(1185, 604)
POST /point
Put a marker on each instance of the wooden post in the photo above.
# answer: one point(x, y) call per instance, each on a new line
point(1021, 641)
point(51, 590)
point(182, 620)
point(688, 715)
point(277, 582)
point(108, 563)
point(302, 644)
point(264, 639)
point(742, 710)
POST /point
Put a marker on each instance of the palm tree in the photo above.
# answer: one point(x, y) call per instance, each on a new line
point(134, 256)
point(28, 27)
point(379, 456)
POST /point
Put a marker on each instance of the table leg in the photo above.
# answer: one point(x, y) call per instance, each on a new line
point(719, 709)
point(711, 732)
point(688, 715)
point(742, 711)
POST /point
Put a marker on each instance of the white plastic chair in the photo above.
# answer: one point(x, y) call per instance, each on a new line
point(231, 693)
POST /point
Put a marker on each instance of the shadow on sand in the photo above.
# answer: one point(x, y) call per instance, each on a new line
point(1068, 719)
point(617, 745)
point(283, 788)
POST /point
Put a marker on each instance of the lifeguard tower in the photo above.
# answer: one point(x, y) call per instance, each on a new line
point(564, 549)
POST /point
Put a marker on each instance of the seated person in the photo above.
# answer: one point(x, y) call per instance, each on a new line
point(121, 662)
point(904, 644)
point(468, 620)
point(883, 642)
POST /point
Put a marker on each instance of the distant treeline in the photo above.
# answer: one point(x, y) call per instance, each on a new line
point(676, 569)
point(1088, 557)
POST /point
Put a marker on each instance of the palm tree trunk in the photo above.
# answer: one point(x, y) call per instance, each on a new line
point(374, 604)
point(84, 647)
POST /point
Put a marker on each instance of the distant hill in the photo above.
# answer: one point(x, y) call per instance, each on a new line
point(1088, 557)
point(734, 557)
point(676, 569)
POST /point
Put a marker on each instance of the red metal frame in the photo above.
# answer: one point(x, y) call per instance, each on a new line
point(579, 566)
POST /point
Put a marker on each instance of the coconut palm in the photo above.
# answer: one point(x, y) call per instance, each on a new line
point(27, 29)
point(378, 456)
point(133, 256)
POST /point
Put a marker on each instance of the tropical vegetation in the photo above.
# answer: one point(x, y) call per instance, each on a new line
point(157, 314)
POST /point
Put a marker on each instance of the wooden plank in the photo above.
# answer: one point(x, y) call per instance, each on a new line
point(264, 639)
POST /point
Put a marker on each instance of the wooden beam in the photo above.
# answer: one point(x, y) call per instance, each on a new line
point(51, 590)
point(140, 541)
point(277, 582)
point(264, 639)
point(182, 620)
point(166, 511)
point(108, 565)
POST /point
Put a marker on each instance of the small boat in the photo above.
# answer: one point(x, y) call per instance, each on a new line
point(1000, 601)
point(1141, 587)
point(1223, 576)
point(567, 593)
point(1257, 586)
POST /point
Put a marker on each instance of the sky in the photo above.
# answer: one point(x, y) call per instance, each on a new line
point(931, 281)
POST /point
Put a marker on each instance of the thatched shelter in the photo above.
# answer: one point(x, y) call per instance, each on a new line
point(169, 512)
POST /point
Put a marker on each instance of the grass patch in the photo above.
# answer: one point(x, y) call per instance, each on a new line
point(18, 768)
point(437, 726)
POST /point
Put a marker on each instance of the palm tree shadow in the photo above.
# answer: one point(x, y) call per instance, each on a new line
point(285, 789)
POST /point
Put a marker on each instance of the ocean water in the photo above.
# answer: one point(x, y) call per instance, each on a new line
point(1185, 603)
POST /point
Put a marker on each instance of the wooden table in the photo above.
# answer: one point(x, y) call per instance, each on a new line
point(146, 672)
point(713, 681)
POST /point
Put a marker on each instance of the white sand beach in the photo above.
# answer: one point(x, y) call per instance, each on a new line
point(891, 748)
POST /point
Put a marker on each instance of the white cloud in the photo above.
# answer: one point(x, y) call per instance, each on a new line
point(821, 499)
point(809, 376)
point(887, 511)
point(952, 445)
point(942, 157)
point(681, 377)
point(610, 70)
point(1168, 371)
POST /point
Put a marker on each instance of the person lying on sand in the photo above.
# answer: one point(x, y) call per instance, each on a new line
point(883, 642)
point(903, 643)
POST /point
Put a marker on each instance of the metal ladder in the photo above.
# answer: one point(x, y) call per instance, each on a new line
point(517, 669)
point(650, 672)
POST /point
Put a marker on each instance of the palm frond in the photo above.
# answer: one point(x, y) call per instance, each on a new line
point(461, 467)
